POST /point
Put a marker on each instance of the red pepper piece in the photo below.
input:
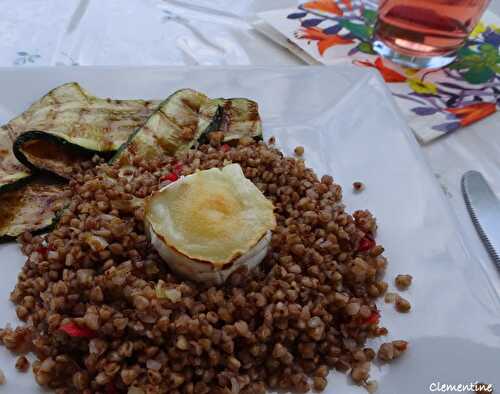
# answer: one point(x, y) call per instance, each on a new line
point(177, 169)
point(42, 250)
point(76, 331)
point(225, 147)
point(374, 318)
point(172, 177)
point(366, 244)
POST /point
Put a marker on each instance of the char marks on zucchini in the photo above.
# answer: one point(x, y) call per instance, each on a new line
point(34, 207)
point(240, 119)
point(236, 118)
point(172, 128)
point(70, 117)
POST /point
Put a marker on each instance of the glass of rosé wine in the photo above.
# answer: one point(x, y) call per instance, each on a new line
point(425, 33)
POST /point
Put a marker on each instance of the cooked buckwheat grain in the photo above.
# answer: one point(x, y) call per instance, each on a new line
point(403, 281)
point(22, 364)
point(402, 305)
point(97, 324)
point(358, 186)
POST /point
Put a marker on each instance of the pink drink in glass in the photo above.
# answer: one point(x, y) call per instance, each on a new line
point(425, 33)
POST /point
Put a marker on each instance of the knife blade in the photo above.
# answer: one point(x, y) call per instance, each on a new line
point(484, 209)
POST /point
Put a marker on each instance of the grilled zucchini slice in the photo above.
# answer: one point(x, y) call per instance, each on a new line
point(172, 128)
point(240, 118)
point(71, 123)
point(32, 207)
point(236, 118)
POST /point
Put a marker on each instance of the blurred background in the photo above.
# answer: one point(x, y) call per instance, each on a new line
point(136, 32)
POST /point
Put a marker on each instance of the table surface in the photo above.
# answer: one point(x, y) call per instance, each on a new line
point(213, 32)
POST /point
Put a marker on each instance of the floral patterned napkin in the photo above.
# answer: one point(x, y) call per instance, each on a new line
point(435, 101)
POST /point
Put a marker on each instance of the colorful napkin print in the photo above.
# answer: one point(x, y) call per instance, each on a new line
point(435, 101)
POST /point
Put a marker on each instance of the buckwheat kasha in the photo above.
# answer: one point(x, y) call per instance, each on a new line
point(105, 314)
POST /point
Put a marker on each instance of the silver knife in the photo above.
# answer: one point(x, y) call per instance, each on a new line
point(484, 209)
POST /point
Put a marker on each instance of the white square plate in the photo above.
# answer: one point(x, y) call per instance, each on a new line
point(350, 128)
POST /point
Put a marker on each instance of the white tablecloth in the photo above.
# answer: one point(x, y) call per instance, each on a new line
point(210, 32)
